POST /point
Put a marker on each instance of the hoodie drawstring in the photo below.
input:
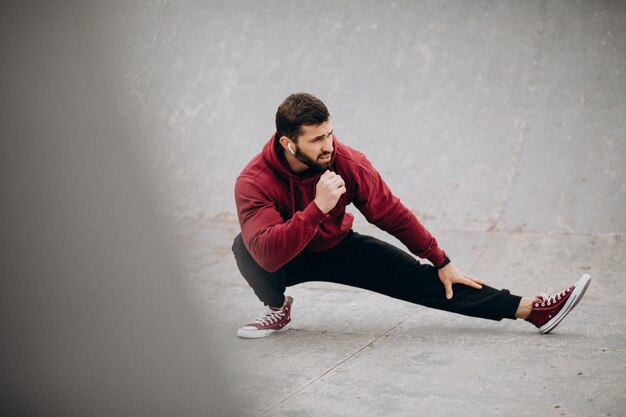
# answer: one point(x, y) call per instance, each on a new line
point(291, 194)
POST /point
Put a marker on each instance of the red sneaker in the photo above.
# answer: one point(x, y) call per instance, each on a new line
point(269, 321)
point(549, 309)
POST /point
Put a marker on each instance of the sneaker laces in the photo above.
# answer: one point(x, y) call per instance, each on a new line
point(270, 316)
point(550, 297)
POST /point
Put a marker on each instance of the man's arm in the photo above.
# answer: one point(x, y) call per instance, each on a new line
point(380, 207)
point(271, 241)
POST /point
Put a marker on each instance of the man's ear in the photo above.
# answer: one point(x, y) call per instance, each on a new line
point(284, 142)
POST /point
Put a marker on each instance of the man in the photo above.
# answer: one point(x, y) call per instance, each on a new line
point(291, 201)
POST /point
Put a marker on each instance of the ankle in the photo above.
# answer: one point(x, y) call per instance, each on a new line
point(524, 309)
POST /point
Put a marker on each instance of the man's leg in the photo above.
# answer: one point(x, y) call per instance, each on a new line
point(366, 262)
point(270, 288)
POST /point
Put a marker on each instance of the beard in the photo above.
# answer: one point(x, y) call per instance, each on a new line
point(314, 166)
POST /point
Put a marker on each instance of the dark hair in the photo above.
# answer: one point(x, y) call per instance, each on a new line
point(296, 110)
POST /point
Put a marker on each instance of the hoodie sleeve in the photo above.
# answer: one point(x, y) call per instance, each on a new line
point(271, 241)
point(383, 209)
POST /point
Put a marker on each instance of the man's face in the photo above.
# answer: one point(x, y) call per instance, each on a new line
point(315, 146)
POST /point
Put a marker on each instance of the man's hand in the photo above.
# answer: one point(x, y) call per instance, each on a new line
point(449, 275)
point(328, 190)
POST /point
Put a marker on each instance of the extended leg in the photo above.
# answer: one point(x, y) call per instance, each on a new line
point(369, 263)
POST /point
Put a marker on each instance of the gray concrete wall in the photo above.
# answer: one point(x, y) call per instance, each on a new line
point(479, 115)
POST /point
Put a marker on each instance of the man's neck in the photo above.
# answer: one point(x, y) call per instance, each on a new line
point(294, 163)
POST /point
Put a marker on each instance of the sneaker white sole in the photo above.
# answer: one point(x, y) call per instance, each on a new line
point(580, 287)
point(257, 334)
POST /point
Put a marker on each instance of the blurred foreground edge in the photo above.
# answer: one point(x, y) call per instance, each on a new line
point(95, 320)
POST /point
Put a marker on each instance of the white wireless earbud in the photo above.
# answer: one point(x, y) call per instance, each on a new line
point(290, 148)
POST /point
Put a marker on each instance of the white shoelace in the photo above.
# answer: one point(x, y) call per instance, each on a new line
point(550, 297)
point(270, 316)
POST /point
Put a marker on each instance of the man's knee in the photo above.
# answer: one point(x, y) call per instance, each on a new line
point(238, 245)
point(243, 258)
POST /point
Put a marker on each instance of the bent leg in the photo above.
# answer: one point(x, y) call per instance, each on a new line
point(369, 263)
point(269, 287)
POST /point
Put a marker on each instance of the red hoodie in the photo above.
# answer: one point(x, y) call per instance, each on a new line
point(279, 219)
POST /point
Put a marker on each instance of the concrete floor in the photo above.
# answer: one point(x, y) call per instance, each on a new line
point(351, 352)
point(500, 124)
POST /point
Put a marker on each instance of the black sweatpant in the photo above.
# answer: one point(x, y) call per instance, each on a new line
point(369, 263)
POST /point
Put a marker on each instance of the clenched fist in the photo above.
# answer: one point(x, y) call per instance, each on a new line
point(328, 190)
